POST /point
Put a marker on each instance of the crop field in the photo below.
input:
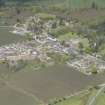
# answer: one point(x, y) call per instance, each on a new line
point(10, 95)
point(83, 98)
point(49, 83)
point(7, 37)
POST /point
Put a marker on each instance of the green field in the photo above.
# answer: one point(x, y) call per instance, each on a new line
point(100, 100)
point(83, 98)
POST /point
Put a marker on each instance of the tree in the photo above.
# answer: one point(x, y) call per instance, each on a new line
point(94, 5)
point(18, 11)
point(18, 20)
point(93, 69)
point(80, 45)
point(15, 66)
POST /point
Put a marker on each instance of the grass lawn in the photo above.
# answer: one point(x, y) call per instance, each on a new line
point(80, 99)
point(60, 31)
point(33, 65)
point(101, 99)
point(46, 16)
point(12, 95)
point(67, 36)
point(72, 101)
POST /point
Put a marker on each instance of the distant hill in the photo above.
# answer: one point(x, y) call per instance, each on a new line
point(69, 3)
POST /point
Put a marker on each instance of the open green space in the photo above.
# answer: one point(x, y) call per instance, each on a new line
point(83, 98)
point(100, 100)
point(73, 100)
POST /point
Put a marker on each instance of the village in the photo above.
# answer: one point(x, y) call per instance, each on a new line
point(40, 42)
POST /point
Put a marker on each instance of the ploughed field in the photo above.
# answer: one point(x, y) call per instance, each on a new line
point(6, 37)
point(12, 96)
point(46, 84)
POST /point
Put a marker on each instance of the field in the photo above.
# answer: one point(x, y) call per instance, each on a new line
point(101, 99)
point(6, 37)
point(69, 3)
point(10, 95)
point(50, 83)
point(80, 99)
point(83, 98)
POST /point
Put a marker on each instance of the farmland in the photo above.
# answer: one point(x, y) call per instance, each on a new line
point(6, 37)
point(47, 84)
